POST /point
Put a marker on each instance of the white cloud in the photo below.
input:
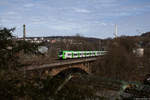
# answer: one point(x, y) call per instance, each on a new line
point(81, 10)
point(37, 20)
point(61, 27)
point(29, 5)
point(104, 24)
point(5, 21)
point(11, 13)
point(108, 1)
point(4, 2)
point(70, 16)
point(99, 23)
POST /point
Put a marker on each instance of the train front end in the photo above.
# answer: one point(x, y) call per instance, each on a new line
point(60, 55)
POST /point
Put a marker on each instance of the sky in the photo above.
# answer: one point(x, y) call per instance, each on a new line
point(89, 18)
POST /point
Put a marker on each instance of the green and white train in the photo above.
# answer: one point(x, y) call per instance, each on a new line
point(79, 54)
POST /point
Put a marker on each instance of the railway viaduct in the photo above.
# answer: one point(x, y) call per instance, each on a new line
point(55, 68)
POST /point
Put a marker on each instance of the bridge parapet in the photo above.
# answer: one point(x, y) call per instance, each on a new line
point(58, 64)
point(54, 68)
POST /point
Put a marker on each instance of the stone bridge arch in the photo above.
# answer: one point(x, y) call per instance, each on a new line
point(71, 71)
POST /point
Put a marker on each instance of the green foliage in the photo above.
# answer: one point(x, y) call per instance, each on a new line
point(10, 49)
point(6, 34)
point(13, 85)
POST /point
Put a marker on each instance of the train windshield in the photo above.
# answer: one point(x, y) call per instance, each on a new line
point(60, 53)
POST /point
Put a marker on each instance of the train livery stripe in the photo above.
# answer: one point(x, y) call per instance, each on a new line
point(63, 56)
point(72, 54)
point(78, 54)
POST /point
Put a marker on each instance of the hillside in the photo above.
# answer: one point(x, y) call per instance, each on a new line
point(147, 34)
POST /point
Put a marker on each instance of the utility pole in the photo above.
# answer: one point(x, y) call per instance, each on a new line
point(24, 32)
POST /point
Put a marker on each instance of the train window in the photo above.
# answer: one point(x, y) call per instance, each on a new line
point(69, 54)
point(82, 53)
point(75, 54)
